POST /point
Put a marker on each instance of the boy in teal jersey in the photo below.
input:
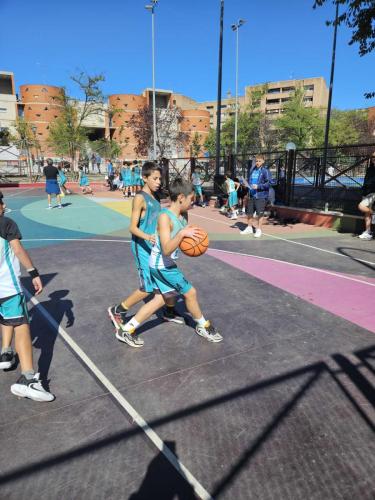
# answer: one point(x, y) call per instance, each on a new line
point(167, 276)
point(14, 319)
point(231, 187)
point(144, 216)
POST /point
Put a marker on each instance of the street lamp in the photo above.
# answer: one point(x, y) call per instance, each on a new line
point(235, 27)
point(151, 8)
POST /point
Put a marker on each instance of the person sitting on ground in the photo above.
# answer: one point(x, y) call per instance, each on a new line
point(84, 182)
point(367, 204)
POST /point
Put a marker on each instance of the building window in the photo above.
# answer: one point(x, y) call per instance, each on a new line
point(307, 99)
point(209, 107)
point(288, 89)
point(272, 111)
point(308, 87)
point(272, 101)
point(3, 110)
point(38, 114)
point(46, 108)
point(174, 101)
point(273, 91)
point(285, 99)
point(223, 105)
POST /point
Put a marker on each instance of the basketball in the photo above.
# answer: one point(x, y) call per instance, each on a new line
point(195, 247)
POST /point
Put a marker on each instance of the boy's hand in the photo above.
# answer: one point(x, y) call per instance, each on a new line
point(254, 186)
point(37, 283)
point(152, 239)
point(191, 232)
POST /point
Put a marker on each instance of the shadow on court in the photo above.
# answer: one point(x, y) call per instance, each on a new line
point(163, 481)
point(346, 251)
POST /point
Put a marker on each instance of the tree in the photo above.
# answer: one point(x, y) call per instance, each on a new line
point(169, 137)
point(67, 134)
point(210, 142)
point(358, 15)
point(349, 127)
point(107, 148)
point(299, 124)
point(196, 144)
point(25, 139)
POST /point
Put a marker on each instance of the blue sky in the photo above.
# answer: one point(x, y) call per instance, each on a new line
point(45, 41)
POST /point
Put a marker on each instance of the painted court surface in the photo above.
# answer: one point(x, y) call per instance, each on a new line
point(283, 408)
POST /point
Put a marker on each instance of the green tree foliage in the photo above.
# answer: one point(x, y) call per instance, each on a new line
point(107, 148)
point(348, 127)
point(299, 124)
point(358, 15)
point(196, 144)
point(67, 134)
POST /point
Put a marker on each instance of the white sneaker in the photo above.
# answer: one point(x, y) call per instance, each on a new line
point(247, 230)
point(31, 389)
point(233, 216)
point(60, 206)
point(49, 207)
point(223, 209)
point(258, 233)
point(365, 236)
point(208, 332)
point(129, 338)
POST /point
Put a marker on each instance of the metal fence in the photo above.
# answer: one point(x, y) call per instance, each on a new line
point(300, 178)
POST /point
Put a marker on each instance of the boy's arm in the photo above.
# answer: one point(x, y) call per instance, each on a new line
point(138, 206)
point(237, 185)
point(266, 184)
point(25, 260)
point(168, 244)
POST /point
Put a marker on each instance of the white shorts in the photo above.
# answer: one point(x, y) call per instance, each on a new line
point(368, 201)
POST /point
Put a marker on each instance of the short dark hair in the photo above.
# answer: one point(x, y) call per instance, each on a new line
point(1, 197)
point(150, 167)
point(180, 186)
point(49, 161)
point(228, 173)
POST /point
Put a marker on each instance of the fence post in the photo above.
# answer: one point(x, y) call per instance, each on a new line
point(165, 172)
point(192, 165)
point(291, 156)
point(231, 164)
point(317, 172)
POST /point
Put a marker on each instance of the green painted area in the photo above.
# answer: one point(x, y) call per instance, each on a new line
point(81, 215)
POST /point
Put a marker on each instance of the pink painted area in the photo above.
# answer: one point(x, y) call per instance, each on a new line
point(351, 300)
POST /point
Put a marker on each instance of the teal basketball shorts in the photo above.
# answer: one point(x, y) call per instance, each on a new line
point(198, 190)
point(13, 310)
point(142, 257)
point(170, 281)
point(232, 199)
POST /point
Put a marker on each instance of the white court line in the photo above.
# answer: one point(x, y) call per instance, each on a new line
point(292, 241)
point(296, 265)
point(76, 239)
point(18, 192)
point(150, 433)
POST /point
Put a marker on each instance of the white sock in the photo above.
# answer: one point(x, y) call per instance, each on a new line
point(201, 321)
point(133, 323)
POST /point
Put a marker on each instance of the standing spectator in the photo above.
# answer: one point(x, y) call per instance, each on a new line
point(259, 184)
point(98, 161)
point(110, 174)
point(52, 186)
point(368, 200)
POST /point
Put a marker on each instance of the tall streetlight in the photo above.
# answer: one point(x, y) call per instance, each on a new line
point(326, 135)
point(236, 27)
point(219, 81)
point(151, 8)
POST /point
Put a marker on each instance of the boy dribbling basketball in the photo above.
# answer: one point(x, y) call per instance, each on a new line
point(171, 230)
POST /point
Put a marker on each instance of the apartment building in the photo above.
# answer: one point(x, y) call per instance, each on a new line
point(274, 96)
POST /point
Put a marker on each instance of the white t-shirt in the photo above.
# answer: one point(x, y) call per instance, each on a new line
point(9, 264)
point(196, 179)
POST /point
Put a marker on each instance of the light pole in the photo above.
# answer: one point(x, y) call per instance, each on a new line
point(219, 81)
point(151, 8)
point(328, 118)
point(236, 27)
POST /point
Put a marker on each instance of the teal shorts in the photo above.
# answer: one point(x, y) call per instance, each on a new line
point(142, 257)
point(170, 281)
point(198, 190)
point(13, 310)
point(232, 199)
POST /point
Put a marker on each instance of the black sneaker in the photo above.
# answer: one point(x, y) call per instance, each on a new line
point(7, 360)
point(117, 317)
point(31, 389)
point(170, 314)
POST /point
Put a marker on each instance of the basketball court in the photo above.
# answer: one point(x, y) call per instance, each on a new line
point(283, 408)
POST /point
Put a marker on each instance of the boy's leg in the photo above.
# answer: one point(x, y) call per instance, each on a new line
point(49, 200)
point(7, 358)
point(367, 211)
point(250, 215)
point(203, 327)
